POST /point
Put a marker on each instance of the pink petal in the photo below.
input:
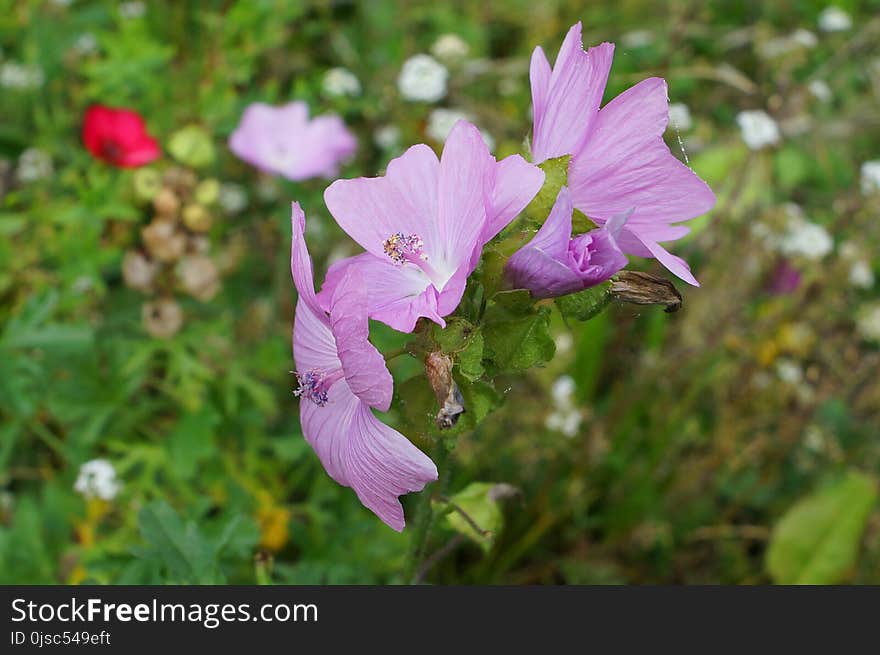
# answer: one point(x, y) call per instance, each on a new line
point(515, 183)
point(539, 77)
point(555, 233)
point(372, 209)
point(364, 367)
point(397, 295)
point(572, 97)
point(301, 261)
point(381, 465)
point(464, 165)
point(676, 265)
point(328, 428)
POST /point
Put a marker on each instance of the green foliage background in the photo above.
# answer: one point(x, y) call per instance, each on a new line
point(695, 460)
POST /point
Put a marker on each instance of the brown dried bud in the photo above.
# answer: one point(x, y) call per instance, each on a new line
point(197, 218)
point(139, 272)
point(643, 289)
point(162, 318)
point(199, 277)
point(163, 241)
point(438, 369)
point(181, 179)
point(166, 203)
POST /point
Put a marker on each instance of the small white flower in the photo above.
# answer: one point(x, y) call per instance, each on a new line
point(680, 116)
point(868, 322)
point(97, 479)
point(871, 177)
point(758, 129)
point(387, 137)
point(86, 44)
point(806, 239)
point(340, 82)
point(783, 45)
point(450, 47)
point(33, 164)
point(232, 198)
point(834, 19)
point(805, 38)
point(20, 76)
point(563, 390)
point(564, 342)
point(133, 9)
point(789, 371)
point(637, 38)
point(422, 79)
point(861, 275)
point(820, 90)
point(568, 422)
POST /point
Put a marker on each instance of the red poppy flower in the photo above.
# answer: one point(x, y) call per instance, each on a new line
point(118, 137)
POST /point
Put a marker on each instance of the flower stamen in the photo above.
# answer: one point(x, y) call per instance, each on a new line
point(315, 384)
point(403, 248)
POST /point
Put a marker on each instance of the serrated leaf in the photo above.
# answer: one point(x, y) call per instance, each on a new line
point(817, 540)
point(464, 342)
point(555, 177)
point(520, 343)
point(584, 305)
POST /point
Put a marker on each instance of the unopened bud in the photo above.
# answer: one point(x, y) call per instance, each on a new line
point(207, 191)
point(196, 218)
point(438, 369)
point(199, 277)
point(166, 203)
point(163, 240)
point(138, 271)
point(162, 318)
point(147, 184)
point(643, 289)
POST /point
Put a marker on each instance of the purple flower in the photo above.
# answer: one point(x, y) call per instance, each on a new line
point(786, 279)
point(619, 159)
point(554, 264)
point(341, 377)
point(283, 141)
point(424, 225)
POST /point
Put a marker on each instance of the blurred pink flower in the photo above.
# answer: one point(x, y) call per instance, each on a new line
point(341, 377)
point(619, 159)
point(424, 224)
point(786, 279)
point(283, 141)
point(554, 264)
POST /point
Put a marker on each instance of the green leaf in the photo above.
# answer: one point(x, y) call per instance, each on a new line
point(192, 441)
point(520, 343)
point(484, 517)
point(584, 305)
point(464, 342)
point(556, 177)
point(817, 540)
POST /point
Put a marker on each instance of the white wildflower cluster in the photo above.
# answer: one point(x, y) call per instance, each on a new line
point(85, 44)
point(232, 197)
point(387, 137)
point(758, 129)
point(834, 19)
point(442, 120)
point(422, 79)
point(340, 82)
point(861, 275)
point(14, 75)
point(783, 45)
point(871, 177)
point(680, 116)
point(132, 9)
point(565, 417)
point(820, 90)
point(804, 238)
point(868, 322)
point(789, 371)
point(637, 39)
point(97, 479)
point(450, 48)
point(33, 164)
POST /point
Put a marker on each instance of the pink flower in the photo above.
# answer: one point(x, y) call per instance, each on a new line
point(424, 224)
point(554, 264)
point(341, 378)
point(283, 141)
point(619, 159)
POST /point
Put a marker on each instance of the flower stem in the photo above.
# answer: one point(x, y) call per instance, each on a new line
point(424, 520)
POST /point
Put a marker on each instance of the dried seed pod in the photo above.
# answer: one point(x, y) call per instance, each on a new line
point(199, 277)
point(197, 218)
point(438, 369)
point(163, 241)
point(166, 203)
point(643, 289)
point(182, 180)
point(163, 318)
point(139, 272)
